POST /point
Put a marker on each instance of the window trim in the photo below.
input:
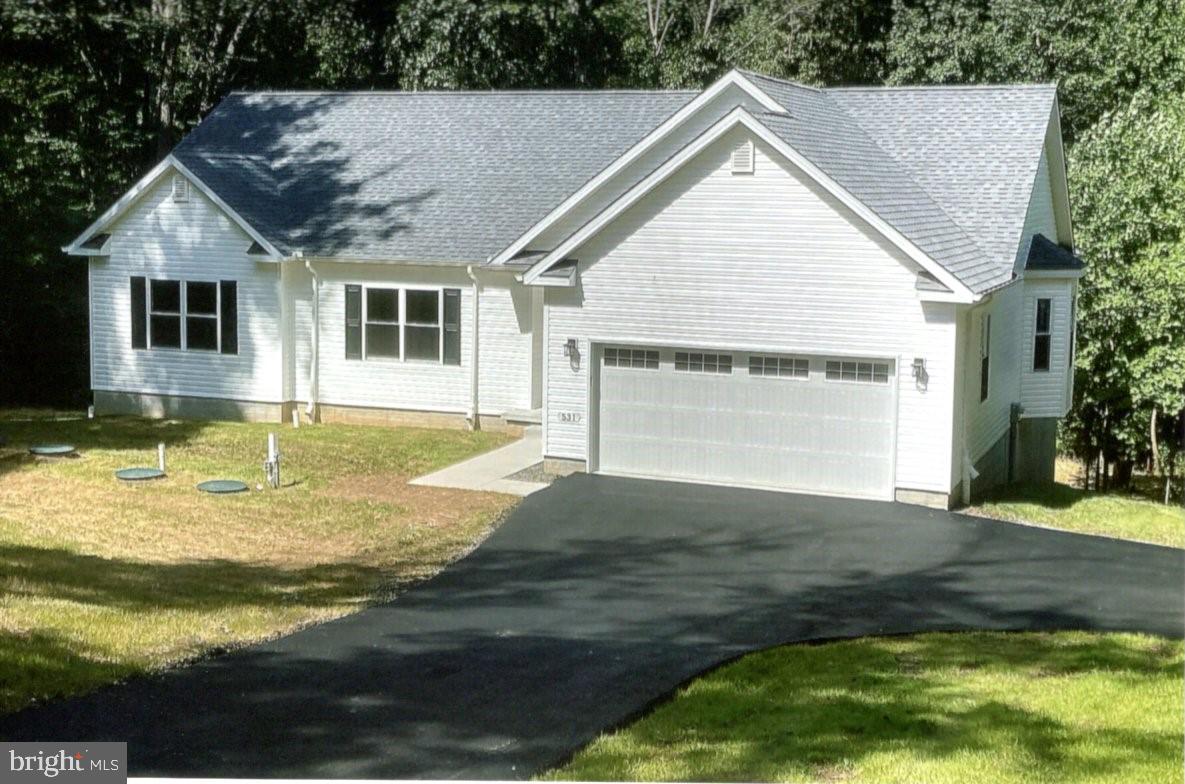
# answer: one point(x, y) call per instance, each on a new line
point(183, 314)
point(1047, 334)
point(403, 323)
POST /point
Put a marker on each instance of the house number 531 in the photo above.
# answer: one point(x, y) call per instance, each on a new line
point(570, 416)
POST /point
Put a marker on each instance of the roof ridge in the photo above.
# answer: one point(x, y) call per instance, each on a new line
point(491, 93)
point(872, 88)
point(780, 80)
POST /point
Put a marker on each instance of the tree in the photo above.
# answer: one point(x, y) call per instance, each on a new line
point(1100, 52)
point(1128, 185)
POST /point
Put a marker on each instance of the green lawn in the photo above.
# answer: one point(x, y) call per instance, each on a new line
point(100, 580)
point(942, 708)
point(1062, 506)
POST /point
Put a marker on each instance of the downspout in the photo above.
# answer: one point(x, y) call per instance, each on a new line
point(474, 417)
point(314, 361)
point(968, 469)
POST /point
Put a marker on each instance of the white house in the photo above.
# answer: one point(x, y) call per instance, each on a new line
point(865, 292)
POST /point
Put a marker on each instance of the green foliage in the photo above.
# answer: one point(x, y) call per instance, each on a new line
point(1099, 52)
point(1128, 183)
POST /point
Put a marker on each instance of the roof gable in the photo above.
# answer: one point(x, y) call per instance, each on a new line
point(740, 116)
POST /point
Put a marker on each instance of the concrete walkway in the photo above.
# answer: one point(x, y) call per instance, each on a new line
point(489, 471)
point(596, 597)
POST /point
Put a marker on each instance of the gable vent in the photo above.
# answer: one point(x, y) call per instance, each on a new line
point(180, 188)
point(742, 158)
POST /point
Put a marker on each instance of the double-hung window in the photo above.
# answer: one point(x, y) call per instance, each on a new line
point(201, 316)
point(1042, 333)
point(382, 323)
point(421, 331)
point(985, 355)
point(191, 315)
point(164, 323)
point(403, 323)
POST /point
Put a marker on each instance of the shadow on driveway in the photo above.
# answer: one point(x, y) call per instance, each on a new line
point(598, 596)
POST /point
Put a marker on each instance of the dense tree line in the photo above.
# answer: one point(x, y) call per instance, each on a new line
point(94, 92)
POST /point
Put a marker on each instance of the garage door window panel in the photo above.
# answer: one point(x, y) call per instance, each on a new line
point(636, 358)
point(698, 362)
point(779, 367)
point(857, 371)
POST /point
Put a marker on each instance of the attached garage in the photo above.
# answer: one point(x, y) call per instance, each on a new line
point(816, 424)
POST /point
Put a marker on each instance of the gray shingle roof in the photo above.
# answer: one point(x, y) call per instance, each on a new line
point(411, 176)
point(974, 150)
point(831, 139)
point(1045, 254)
point(460, 176)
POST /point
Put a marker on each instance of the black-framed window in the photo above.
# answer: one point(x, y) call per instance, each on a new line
point(184, 314)
point(985, 355)
point(201, 315)
point(164, 308)
point(382, 323)
point(1042, 333)
point(421, 330)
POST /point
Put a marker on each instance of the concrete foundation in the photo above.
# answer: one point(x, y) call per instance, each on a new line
point(562, 466)
point(929, 498)
point(184, 407)
point(1036, 450)
point(992, 467)
point(393, 417)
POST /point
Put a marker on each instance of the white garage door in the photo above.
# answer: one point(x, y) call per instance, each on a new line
point(811, 423)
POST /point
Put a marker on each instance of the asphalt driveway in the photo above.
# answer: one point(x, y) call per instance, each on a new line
point(598, 596)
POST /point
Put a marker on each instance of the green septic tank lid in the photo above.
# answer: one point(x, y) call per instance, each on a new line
point(138, 474)
point(222, 486)
point(52, 450)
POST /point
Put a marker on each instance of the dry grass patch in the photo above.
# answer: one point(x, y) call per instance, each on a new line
point(100, 580)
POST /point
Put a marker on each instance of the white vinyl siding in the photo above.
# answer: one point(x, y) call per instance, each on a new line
point(159, 238)
point(419, 385)
point(1046, 393)
point(693, 126)
point(768, 263)
point(1039, 218)
point(988, 420)
point(1043, 393)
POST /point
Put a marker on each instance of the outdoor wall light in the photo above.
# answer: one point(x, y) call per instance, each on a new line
point(572, 352)
point(919, 372)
